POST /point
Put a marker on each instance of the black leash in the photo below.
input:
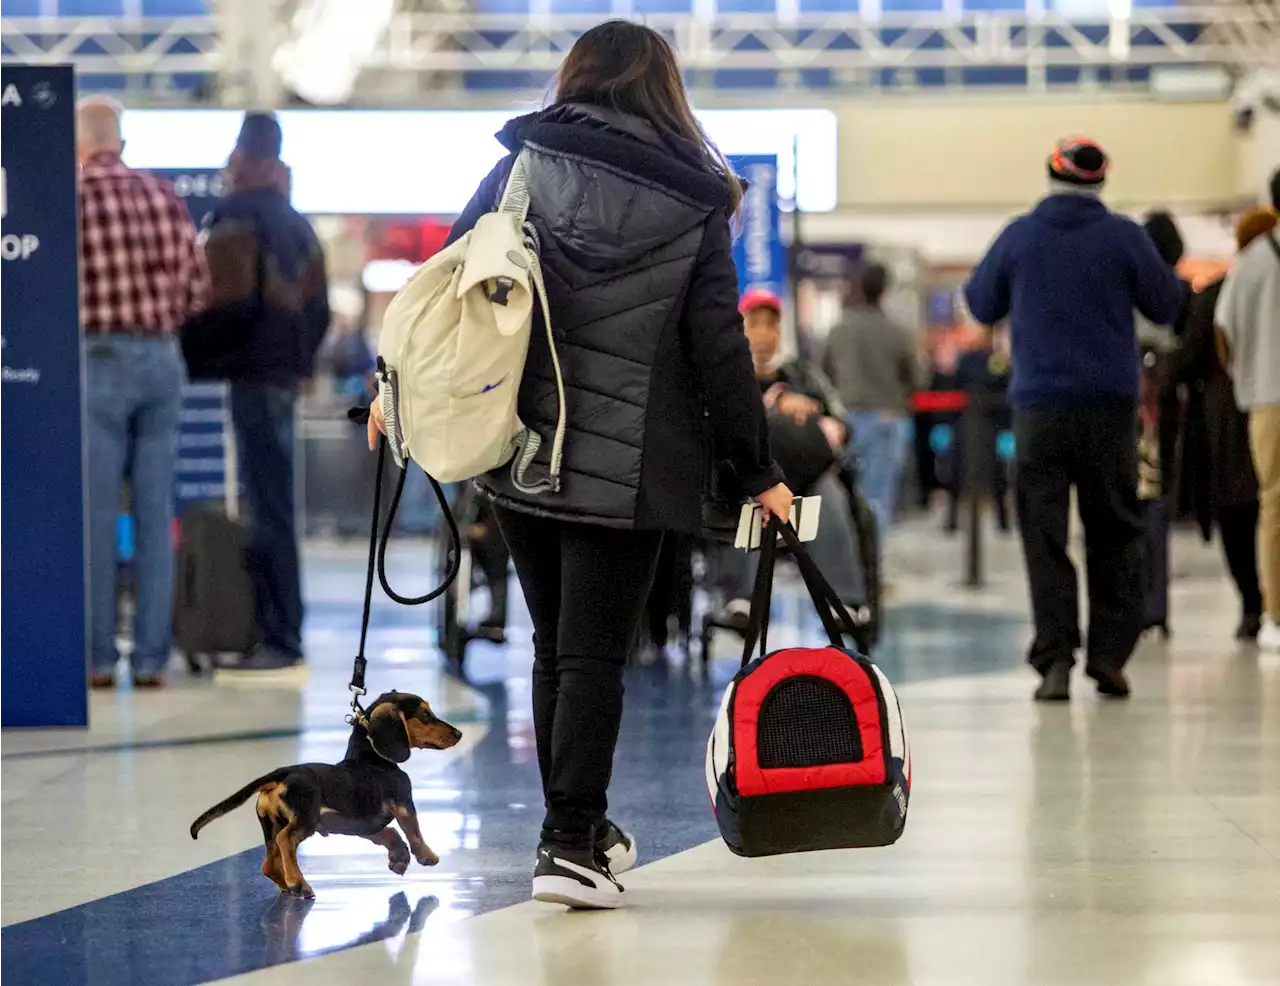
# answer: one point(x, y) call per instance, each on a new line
point(378, 561)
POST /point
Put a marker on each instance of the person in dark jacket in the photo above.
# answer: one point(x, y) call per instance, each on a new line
point(1226, 459)
point(1069, 275)
point(268, 276)
point(632, 204)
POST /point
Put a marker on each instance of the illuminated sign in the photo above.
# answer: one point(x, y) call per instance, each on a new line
point(415, 162)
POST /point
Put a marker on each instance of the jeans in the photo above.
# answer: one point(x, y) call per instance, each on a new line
point(263, 419)
point(1095, 449)
point(878, 443)
point(834, 550)
point(134, 398)
point(586, 588)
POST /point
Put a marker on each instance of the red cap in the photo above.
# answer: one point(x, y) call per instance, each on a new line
point(759, 298)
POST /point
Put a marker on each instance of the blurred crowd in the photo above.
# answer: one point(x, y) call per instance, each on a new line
point(1088, 319)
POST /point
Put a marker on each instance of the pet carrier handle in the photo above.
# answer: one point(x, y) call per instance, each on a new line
point(757, 631)
point(831, 609)
point(835, 616)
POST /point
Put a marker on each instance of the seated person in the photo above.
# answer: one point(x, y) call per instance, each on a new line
point(795, 392)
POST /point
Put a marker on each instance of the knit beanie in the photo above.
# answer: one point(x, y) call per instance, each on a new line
point(260, 136)
point(1079, 162)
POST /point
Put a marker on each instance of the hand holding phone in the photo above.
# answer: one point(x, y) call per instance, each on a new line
point(776, 502)
point(751, 522)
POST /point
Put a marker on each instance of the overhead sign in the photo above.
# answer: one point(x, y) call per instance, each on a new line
point(758, 250)
point(43, 632)
point(371, 162)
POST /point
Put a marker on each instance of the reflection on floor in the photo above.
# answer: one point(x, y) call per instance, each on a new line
point(1100, 843)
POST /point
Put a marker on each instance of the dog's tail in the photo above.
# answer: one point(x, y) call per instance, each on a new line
point(236, 800)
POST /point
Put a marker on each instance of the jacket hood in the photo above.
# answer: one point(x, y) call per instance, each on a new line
point(607, 187)
point(1070, 211)
point(622, 141)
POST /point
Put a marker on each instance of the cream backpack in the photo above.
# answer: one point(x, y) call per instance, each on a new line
point(452, 352)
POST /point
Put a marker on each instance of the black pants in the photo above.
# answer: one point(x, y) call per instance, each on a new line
point(1095, 450)
point(1238, 528)
point(263, 418)
point(586, 588)
point(1155, 524)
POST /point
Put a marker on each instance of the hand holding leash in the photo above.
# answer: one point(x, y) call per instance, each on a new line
point(377, 423)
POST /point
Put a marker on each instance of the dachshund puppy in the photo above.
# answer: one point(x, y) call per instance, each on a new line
point(359, 796)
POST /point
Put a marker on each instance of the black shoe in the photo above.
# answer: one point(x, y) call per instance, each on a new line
point(264, 664)
point(1056, 686)
point(576, 878)
point(1250, 625)
point(492, 629)
point(1111, 683)
point(618, 847)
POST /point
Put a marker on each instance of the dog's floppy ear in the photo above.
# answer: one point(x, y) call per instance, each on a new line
point(388, 734)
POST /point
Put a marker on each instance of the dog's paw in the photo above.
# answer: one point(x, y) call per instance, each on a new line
point(303, 891)
point(399, 864)
point(427, 857)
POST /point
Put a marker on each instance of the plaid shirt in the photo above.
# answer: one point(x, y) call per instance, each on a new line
point(141, 270)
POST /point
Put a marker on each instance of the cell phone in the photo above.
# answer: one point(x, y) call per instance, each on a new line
point(805, 511)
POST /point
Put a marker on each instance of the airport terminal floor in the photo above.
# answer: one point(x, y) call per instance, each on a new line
point(1101, 843)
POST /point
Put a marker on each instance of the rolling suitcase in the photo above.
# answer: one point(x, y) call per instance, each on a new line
point(213, 605)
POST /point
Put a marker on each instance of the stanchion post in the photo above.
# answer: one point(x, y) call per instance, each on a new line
point(974, 485)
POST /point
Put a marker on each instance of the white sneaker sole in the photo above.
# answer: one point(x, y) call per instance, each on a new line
point(621, 858)
point(571, 893)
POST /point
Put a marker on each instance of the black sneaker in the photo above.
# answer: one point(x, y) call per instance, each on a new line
point(619, 848)
point(578, 878)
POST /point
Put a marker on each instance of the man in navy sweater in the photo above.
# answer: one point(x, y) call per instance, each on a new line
point(1069, 276)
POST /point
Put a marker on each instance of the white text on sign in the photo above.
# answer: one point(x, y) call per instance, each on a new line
point(15, 246)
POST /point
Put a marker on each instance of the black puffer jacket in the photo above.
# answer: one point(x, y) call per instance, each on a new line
point(636, 251)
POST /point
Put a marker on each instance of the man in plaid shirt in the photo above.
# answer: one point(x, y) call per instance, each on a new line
point(142, 274)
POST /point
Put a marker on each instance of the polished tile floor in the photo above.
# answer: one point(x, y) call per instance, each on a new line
point(1097, 844)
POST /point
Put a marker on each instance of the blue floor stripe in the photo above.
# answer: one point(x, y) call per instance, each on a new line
point(225, 918)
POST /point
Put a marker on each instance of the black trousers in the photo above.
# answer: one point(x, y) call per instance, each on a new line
point(1238, 528)
point(586, 588)
point(1155, 523)
point(1095, 450)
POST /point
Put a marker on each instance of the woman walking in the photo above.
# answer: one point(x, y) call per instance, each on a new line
point(632, 204)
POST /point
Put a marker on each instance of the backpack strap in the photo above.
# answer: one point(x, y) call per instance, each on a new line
point(515, 197)
point(515, 201)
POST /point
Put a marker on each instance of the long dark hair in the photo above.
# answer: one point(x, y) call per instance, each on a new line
point(632, 69)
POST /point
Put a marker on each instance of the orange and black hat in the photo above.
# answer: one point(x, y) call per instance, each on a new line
point(759, 298)
point(1078, 161)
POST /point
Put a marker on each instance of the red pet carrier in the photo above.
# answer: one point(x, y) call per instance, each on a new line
point(809, 750)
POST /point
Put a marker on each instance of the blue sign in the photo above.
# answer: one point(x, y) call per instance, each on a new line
point(201, 470)
point(758, 250)
point(43, 632)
